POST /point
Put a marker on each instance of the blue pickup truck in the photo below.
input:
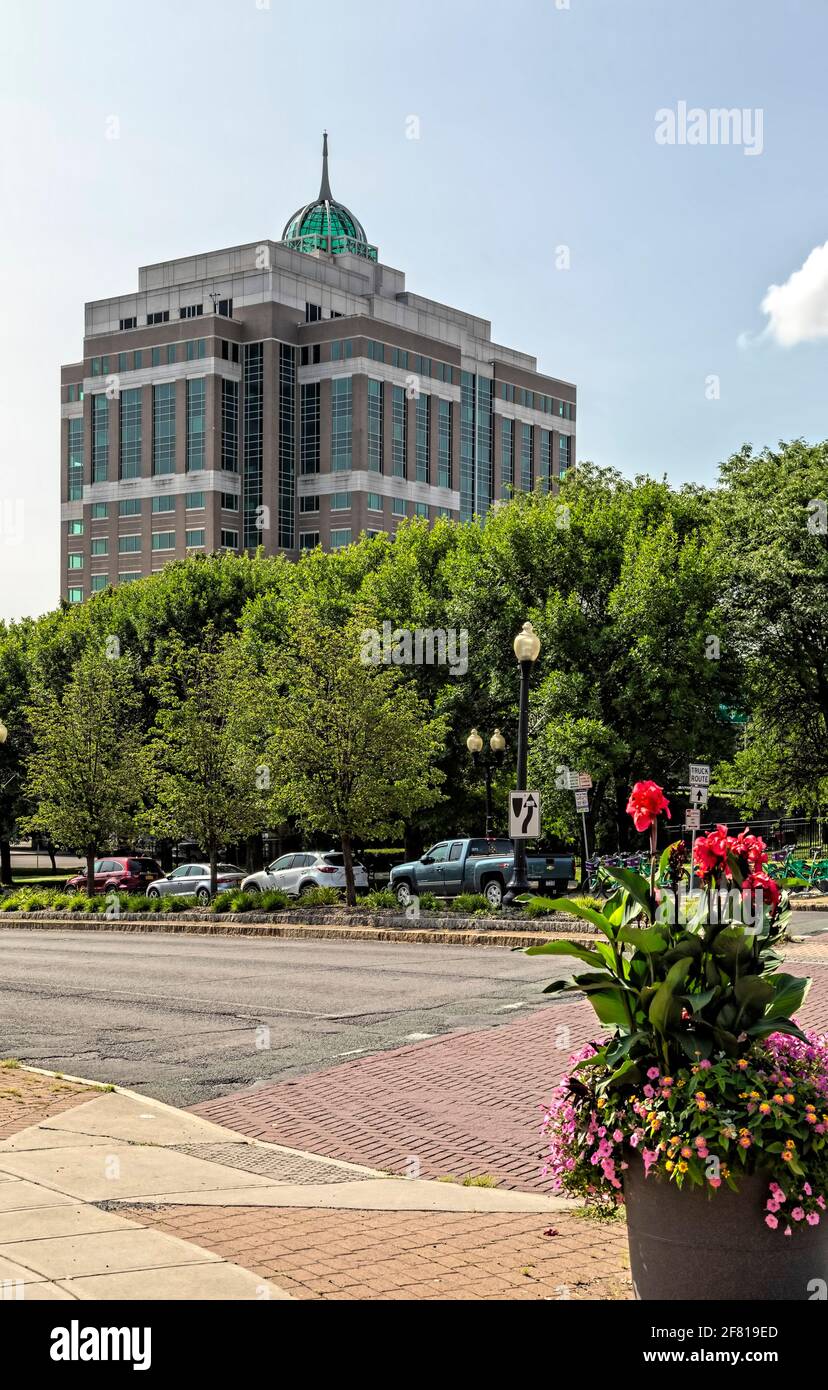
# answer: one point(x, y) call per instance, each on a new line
point(476, 866)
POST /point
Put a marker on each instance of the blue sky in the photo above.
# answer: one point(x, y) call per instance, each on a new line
point(536, 130)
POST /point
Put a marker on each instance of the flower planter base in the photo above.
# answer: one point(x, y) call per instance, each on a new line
point(691, 1244)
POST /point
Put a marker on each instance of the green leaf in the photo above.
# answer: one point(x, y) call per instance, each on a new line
point(753, 990)
point(789, 993)
point(662, 1005)
point(637, 887)
point(647, 939)
point(766, 1026)
point(735, 872)
point(609, 1006)
point(566, 948)
point(588, 914)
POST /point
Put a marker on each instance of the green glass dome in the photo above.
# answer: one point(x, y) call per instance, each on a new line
point(326, 225)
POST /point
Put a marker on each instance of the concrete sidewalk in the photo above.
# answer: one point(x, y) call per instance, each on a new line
point(93, 1199)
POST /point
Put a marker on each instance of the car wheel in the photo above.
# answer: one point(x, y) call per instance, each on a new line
point(305, 888)
point(252, 888)
point(153, 893)
point(203, 897)
point(404, 894)
point(493, 892)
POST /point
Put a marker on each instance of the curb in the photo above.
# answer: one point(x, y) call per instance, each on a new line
point(510, 940)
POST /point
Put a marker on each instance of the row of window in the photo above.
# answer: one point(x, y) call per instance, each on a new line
point(188, 311)
point(194, 348)
point(411, 362)
point(133, 544)
point(131, 506)
point(534, 400)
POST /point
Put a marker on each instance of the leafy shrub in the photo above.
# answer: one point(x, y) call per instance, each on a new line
point(469, 904)
point(136, 902)
point(429, 903)
point(380, 897)
point(221, 902)
point(272, 901)
point(10, 903)
point(170, 904)
point(321, 897)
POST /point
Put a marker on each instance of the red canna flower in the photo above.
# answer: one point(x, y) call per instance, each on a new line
point(647, 801)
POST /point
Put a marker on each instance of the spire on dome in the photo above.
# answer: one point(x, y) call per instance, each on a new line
point(325, 194)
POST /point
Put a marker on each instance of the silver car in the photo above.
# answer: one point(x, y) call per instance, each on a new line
point(193, 881)
point(299, 873)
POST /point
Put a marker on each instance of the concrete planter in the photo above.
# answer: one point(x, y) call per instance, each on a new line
point(695, 1244)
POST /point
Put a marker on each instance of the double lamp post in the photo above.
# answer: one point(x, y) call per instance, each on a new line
point(527, 650)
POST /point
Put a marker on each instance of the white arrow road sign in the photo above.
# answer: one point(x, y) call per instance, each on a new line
point(698, 796)
point(524, 815)
point(699, 774)
point(582, 799)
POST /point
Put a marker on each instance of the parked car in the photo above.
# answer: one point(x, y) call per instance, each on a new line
point(476, 866)
point(193, 881)
point(299, 873)
point(126, 873)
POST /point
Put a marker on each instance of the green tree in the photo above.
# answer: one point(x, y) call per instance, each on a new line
point(85, 772)
point(14, 690)
point(208, 777)
point(773, 529)
point(354, 746)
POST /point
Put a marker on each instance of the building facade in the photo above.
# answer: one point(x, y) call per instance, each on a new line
point(286, 395)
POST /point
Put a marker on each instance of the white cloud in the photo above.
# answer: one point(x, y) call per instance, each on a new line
point(798, 310)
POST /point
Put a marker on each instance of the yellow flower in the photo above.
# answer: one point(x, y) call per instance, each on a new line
point(682, 1167)
point(602, 1100)
point(764, 1108)
point(789, 1098)
point(669, 1165)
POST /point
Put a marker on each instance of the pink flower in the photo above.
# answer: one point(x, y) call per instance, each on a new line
point(617, 1136)
point(812, 1218)
point(797, 1214)
point(653, 1073)
point(647, 801)
point(771, 1221)
point(716, 1182)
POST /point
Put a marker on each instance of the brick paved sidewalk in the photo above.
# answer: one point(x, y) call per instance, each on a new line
point(465, 1103)
point(380, 1255)
point(26, 1098)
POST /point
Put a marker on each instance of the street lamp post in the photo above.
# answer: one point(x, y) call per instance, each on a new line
point(497, 743)
point(527, 650)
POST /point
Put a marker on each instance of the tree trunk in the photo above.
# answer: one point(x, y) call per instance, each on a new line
point(350, 886)
point(213, 870)
point(90, 871)
point(5, 863)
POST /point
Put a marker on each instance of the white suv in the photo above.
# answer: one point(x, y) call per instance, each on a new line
point(299, 873)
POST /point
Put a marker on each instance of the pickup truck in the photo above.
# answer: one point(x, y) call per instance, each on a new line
point(476, 866)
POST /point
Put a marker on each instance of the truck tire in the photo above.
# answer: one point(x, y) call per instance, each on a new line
point(493, 890)
point(404, 892)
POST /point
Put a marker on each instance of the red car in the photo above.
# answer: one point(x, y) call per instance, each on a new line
point(127, 873)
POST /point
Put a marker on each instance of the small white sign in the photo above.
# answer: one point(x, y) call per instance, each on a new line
point(524, 815)
point(584, 780)
point(698, 796)
point(582, 800)
point(699, 774)
point(692, 820)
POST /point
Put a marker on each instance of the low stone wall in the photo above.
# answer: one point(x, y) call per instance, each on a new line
point(507, 929)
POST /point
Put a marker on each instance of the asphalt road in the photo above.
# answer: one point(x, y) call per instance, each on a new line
point(187, 1018)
